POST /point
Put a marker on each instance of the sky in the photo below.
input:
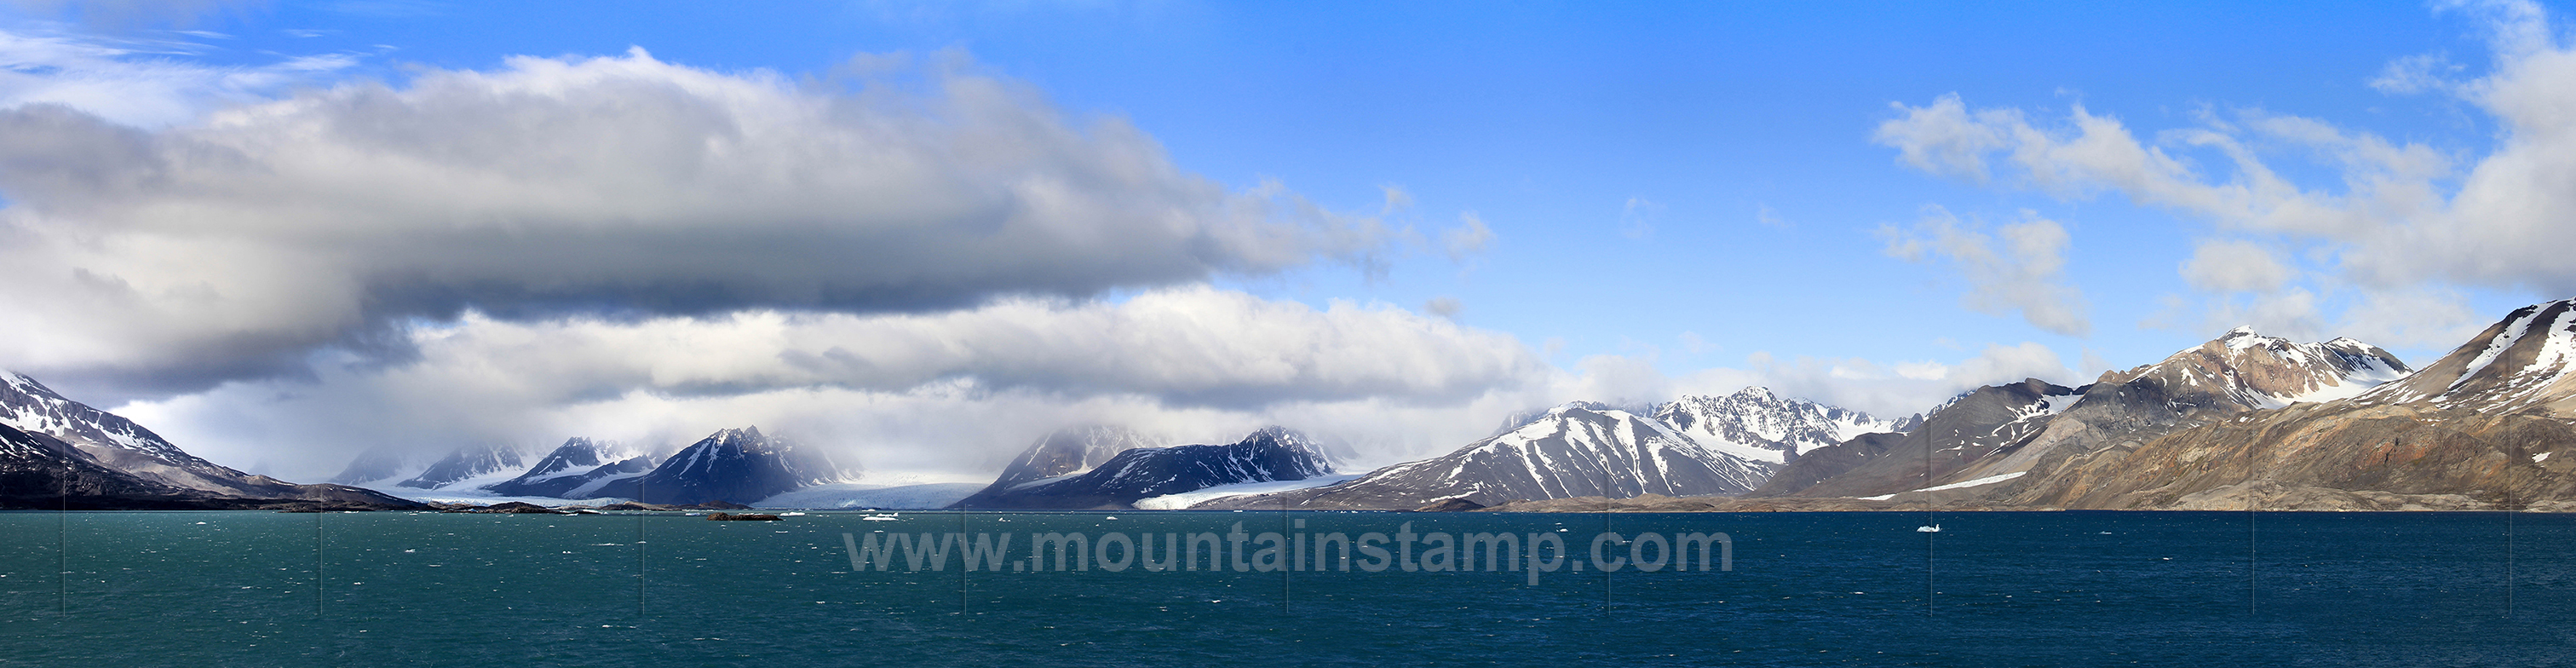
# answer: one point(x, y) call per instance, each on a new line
point(282, 233)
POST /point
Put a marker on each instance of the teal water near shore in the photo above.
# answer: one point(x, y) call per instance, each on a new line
point(1990, 589)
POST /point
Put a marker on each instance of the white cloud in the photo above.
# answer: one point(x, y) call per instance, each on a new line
point(2026, 273)
point(230, 246)
point(1884, 390)
point(2399, 217)
point(2416, 74)
point(2425, 318)
point(1469, 238)
point(1638, 216)
point(900, 389)
point(135, 81)
point(2234, 265)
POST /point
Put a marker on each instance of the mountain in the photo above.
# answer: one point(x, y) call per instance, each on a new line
point(376, 465)
point(579, 466)
point(1756, 425)
point(40, 471)
point(1577, 449)
point(466, 463)
point(1071, 450)
point(2525, 363)
point(734, 465)
point(1969, 428)
point(1272, 453)
point(2243, 370)
point(122, 464)
point(2491, 424)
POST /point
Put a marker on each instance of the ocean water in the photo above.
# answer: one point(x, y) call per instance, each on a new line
point(1990, 589)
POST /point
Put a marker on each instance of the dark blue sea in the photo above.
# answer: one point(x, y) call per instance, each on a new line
point(1989, 589)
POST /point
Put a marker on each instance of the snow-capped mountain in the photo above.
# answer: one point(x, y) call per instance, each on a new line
point(1272, 453)
point(2257, 371)
point(378, 466)
point(1072, 450)
point(114, 441)
point(468, 463)
point(126, 465)
point(735, 465)
point(1577, 449)
point(2525, 363)
point(1756, 425)
point(40, 471)
point(578, 466)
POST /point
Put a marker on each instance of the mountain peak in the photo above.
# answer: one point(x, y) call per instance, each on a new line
point(1593, 406)
point(1754, 392)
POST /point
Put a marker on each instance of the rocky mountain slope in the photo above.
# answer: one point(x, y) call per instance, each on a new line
point(1999, 453)
point(1958, 434)
point(1756, 425)
point(2492, 422)
point(122, 464)
point(1072, 450)
point(1272, 453)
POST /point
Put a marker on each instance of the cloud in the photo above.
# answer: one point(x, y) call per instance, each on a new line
point(1469, 238)
point(1879, 389)
point(623, 186)
point(2417, 74)
point(2423, 318)
point(2234, 266)
point(2025, 273)
point(1763, 214)
point(1943, 138)
point(1444, 306)
point(1638, 216)
point(1197, 360)
point(2396, 217)
point(135, 81)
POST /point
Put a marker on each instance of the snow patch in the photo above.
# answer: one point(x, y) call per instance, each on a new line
point(1988, 480)
point(1194, 497)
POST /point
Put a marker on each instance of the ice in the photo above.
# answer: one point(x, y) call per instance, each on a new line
point(920, 496)
point(1198, 496)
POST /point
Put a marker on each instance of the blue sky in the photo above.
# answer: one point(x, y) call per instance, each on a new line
point(1670, 189)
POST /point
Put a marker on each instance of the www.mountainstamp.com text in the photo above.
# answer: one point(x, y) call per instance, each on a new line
point(1236, 550)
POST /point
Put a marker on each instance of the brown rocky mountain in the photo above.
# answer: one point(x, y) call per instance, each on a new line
point(2486, 426)
point(2014, 442)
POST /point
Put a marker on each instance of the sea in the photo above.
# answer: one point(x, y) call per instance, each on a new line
point(838, 589)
